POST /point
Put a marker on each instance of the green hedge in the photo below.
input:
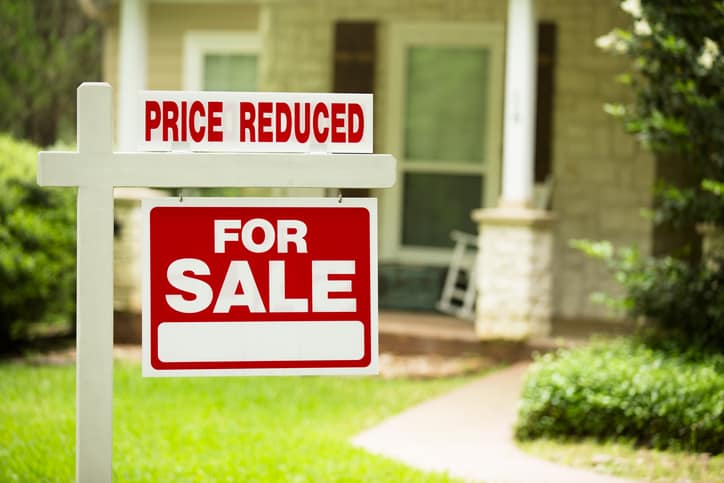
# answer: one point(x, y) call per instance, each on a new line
point(37, 245)
point(626, 389)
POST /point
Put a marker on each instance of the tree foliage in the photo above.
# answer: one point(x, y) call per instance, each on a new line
point(687, 300)
point(47, 48)
point(677, 76)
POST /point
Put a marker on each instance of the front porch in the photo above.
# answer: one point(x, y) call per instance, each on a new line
point(410, 333)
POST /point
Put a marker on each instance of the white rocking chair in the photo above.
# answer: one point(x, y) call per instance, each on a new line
point(460, 289)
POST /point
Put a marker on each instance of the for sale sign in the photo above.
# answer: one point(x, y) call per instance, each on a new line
point(259, 286)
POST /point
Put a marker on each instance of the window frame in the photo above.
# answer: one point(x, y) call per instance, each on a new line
point(198, 43)
point(400, 37)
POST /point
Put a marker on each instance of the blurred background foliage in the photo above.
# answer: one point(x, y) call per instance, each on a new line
point(676, 76)
point(650, 394)
point(37, 247)
point(47, 48)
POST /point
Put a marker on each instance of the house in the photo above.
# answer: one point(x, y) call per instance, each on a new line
point(482, 102)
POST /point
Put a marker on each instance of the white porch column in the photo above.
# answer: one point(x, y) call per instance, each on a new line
point(514, 273)
point(133, 37)
point(520, 97)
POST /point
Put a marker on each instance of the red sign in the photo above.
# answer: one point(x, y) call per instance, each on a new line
point(260, 286)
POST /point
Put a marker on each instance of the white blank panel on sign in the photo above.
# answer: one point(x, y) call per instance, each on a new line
point(254, 341)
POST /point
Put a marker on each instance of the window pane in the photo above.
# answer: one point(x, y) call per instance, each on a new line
point(446, 104)
point(436, 204)
point(229, 72)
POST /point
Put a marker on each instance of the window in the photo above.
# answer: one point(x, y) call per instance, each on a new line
point(229, 72)
point(221, 61)
point(229, 61)
point(443, 125)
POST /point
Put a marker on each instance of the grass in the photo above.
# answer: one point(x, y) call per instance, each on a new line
point(625, 460)
point(207, 429)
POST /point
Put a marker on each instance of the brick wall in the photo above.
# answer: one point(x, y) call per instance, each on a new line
point(602, 177)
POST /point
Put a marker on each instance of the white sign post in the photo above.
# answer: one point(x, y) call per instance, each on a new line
point(96, 169)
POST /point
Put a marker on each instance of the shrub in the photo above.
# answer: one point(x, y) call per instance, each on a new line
point(686, 300)
point(625, 389)
point(676, 76)
point(37, 245)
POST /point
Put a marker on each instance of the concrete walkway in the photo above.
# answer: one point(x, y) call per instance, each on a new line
point(468, 433)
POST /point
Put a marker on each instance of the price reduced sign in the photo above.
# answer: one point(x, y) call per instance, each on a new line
point(255, 122)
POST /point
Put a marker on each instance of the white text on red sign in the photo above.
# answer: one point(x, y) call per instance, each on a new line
point(182, 273)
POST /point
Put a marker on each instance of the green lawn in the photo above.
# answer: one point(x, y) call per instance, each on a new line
point(207, 429)
point(625, 460)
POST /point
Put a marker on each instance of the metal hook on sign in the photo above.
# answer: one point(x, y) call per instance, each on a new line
point(339, 196)
point(181, 195)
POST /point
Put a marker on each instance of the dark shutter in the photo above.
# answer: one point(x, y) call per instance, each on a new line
point(354, 66)
point(354, 57)
point(544, 104)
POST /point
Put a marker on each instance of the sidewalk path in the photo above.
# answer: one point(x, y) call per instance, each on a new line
point(468, 433)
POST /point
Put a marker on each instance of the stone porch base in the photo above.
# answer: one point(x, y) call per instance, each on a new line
point(514, 273)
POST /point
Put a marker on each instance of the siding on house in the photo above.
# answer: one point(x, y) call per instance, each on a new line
point(167, 24)
point(298, 40)
point(602, 178)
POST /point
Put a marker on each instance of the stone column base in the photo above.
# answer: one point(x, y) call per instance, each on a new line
point(514, 273)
